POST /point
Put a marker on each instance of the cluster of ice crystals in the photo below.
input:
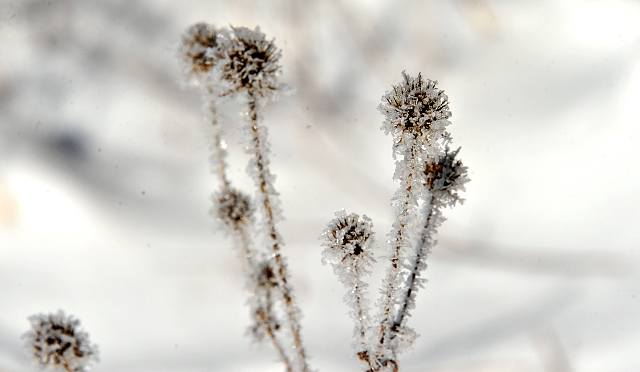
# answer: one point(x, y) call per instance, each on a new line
point(58, 341)
point(232, 208)
point(416, 114)
point(349, 244)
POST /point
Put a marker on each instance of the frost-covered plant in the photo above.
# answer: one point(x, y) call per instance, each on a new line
point(57, 341)
point(241, 63)
point(349, 249)
point(416, 115)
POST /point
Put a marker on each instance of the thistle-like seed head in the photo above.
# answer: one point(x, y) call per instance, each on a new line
point(265, 275)
point(232, 208)
point(349, 242)
point(252, 63)
point(415, 111)
point(201, 48)
point(58, 341)
point(446, 176)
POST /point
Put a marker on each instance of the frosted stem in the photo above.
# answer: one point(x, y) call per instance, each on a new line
point(423, 249)
point(268, 198)
point(263, 307)
point(219, 152)
point(361, 318)
point(405, 217)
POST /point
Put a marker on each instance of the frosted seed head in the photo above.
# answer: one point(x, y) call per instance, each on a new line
point(232, 208)
point(265, 275)
point(57, 341)
point(415, 111)
point(251, 63)
point(445, 177)
point(348, 242)
point(196, 48)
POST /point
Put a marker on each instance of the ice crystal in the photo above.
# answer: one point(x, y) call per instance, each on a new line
point(58, 341)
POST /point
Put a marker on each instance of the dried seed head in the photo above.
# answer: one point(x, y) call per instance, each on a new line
point(232, 208)
point(265, 281)
point(252, 63)
point(446, 176)
point(415, 111)
point(265, 276)
point(349, 243)
point(201, 48)
point(58, 342)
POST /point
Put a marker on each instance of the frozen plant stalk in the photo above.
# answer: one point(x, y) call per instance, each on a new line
point(349, 249)
point(243, 64)
point(250, 73)
point(416, 115)
point(57, 341)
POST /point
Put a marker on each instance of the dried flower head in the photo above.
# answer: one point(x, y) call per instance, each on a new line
point(252, 63)
point(415, 111)
point(232, 207)
point(445, 177)
point(349, 242)
point(265, 276)
point(201, 48)
point(58, 341)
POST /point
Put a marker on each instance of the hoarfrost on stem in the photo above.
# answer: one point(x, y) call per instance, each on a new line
point(416, 115)
point(243, 64)
point(349, 244)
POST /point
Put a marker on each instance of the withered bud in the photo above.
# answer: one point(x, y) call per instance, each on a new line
point(232, 208)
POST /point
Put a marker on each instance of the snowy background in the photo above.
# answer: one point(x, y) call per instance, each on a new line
point(104, 179)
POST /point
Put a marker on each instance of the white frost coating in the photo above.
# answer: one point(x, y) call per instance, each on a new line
point(250, 64)
point(244, 65)
point(445, 177)
point(232, 209)
point(57, 341)
point(349, 244)
point(250, 70)
point(416, 115)
point(202, 47)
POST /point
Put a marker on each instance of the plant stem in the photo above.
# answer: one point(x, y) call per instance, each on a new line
point(219, 151)
point(268, 198)
point(423, 249)
point(405, 215)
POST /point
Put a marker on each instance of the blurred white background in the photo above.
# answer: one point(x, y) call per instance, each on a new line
point(105, 180)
